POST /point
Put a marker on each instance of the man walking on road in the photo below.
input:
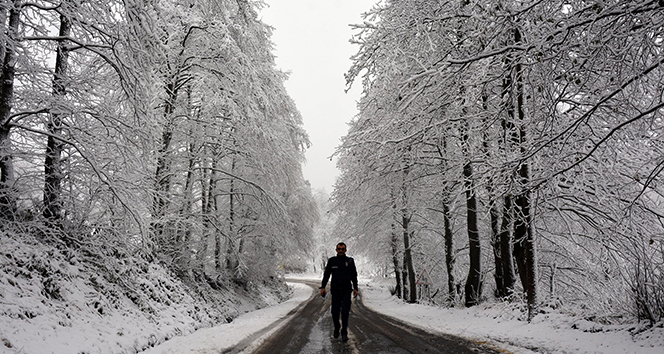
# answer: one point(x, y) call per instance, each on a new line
point(344, 282)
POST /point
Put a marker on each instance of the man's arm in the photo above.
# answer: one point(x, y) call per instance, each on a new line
point(353, 278)
point(326, 277)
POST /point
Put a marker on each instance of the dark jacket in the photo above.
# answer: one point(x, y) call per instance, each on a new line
point(343, 271)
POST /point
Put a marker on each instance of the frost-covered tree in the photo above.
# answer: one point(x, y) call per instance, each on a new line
point(550, 103)
point(159, 126)
point(11, 20)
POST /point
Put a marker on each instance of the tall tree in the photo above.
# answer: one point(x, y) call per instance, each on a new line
point(53, 169)
point(473, 287)
point(9, 47)
point(406, 217)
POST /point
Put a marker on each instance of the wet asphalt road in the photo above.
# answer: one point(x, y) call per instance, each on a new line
point(369, 332)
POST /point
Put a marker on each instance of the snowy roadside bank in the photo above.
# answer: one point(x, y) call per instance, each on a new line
point(106, 301)
point(500, 325)
point(228, 335)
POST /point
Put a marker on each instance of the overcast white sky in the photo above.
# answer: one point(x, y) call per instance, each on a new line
point(312, 42)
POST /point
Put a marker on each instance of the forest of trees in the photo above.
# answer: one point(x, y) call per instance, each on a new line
point(512, 150)
point(159, 127)
point(507, 149)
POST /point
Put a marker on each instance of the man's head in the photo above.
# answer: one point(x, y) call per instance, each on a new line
point(341, 249)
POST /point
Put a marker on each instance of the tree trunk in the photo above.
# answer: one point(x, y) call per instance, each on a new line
point(510, 249)
point(499, 277)
point(507, 262)
point(395, 263)
point(7, 179)
point(163, 173)
point(519, 252)
point(404, 277)
point(7, 191)
point(53, 162)
point(184, 234)
point(211, 207)
point(494, 215)
point(207, 177)
point(394, 242)
point(473, 288)
point(231, 255)
point(405, 221)
point(525, 249)
point(523, 225)
point(449, 255)
point(449, 235)
point(408, 260)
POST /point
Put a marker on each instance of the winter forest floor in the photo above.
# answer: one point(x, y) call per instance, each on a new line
point(54, 301)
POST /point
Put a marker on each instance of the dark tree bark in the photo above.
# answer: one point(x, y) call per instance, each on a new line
point(473, 288)
point(162, 173)
point(499, 276)
point(408, 260)
point(232, 257)
point(395, 263)
point(53, 169)
point(524, 246)
point(449, 255)
point(404, 277)
point(7, 178)
point(394, 242)
point(405, 223)
point(507, 247)
point(505, 240)
point(208, 181)
point(523, 232)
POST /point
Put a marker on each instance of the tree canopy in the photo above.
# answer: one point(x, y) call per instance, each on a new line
point(519, 141)
point(161, 125)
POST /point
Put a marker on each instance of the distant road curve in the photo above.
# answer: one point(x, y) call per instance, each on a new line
point(310, 331)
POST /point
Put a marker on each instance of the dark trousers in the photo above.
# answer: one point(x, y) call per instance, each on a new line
point(341, 305)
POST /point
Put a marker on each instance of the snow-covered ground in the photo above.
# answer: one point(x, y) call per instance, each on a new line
point(84, 301)
point(497, 325)
point(223, 337)
point(504, 327)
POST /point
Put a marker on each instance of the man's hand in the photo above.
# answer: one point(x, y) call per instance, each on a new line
point(323, 292)
point(354, 293)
